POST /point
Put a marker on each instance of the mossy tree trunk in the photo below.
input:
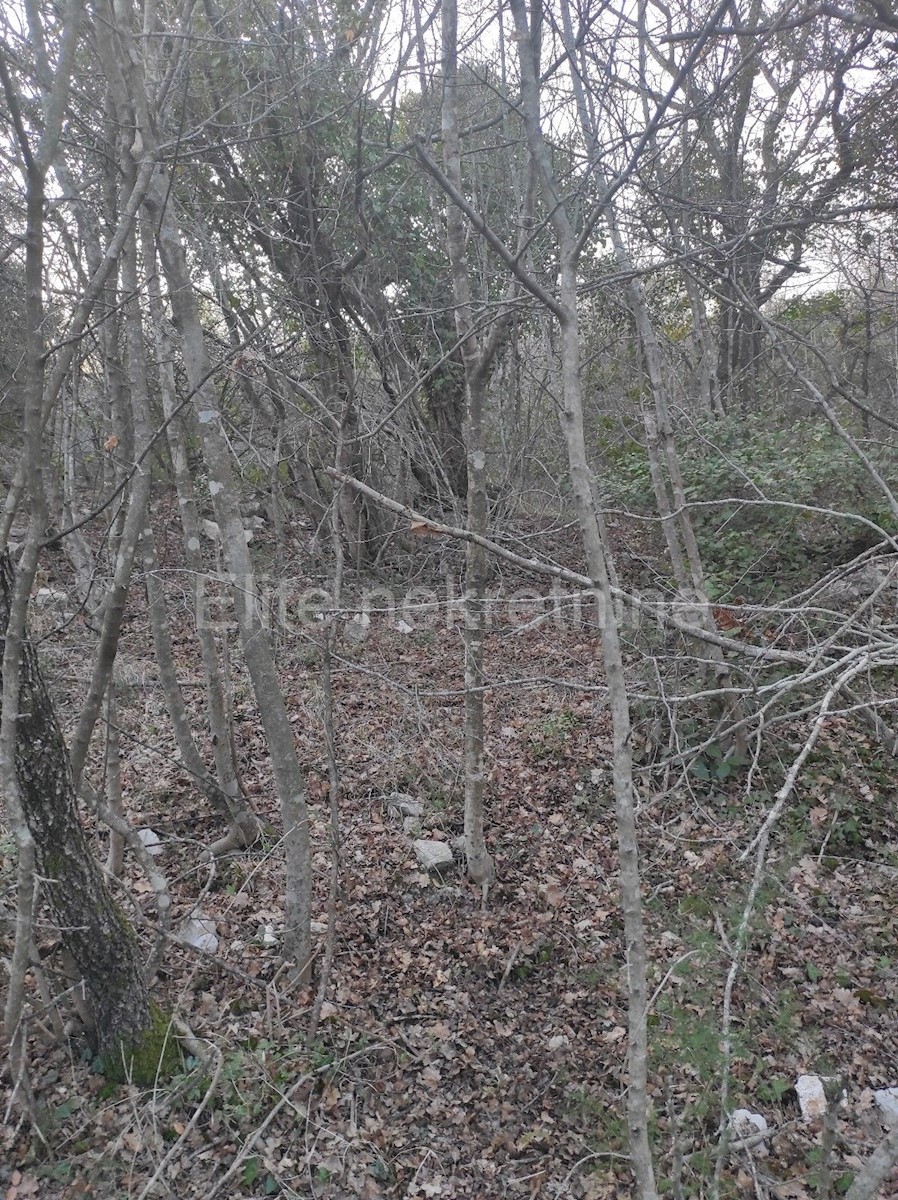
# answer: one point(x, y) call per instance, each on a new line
point(94, 930)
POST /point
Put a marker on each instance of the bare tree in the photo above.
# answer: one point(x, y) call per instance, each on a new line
point(35, 770)
point(126, 74)
point(597, 555)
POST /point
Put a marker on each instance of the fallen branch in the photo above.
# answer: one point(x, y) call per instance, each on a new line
point(876, 1168)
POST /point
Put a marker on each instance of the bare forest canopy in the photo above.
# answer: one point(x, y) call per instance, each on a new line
point(449, 596)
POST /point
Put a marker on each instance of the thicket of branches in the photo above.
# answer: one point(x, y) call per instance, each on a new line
point(396, 270)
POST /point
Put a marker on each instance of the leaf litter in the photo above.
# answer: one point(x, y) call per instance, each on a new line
point(472, 1053)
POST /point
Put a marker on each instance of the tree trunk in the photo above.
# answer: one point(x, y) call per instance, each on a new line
point(597, 558)
point(239, 813)
point(254, 636)
point(125, 69)
point(475, 358)
point(94, 930)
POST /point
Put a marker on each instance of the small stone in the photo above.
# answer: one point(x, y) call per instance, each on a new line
point(886, 1100)
point(411, 826)
point(46, 596)
point(319, 926)
point(559, 1042)
point(152, 843)
point(356, 628)
point(402, 804)
point(746, 1125)
point(404, 627)
point(211, 530)
point(267, 935)
point(811, 1096)
point(199, 932)
point(433, 855)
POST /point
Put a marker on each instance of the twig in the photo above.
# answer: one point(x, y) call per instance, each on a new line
point(509, 965)
point(876, 1168)
point(247, 1148)
point(590, 1158)
point(191, 1125)
point(761, 841)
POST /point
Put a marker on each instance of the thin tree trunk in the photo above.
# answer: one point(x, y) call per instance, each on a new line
point(596, 557)
point(875, 1170)
point(134, 438)
point(71, 341)
point(244, 825)
point(114, 799)
point(333, 767)
point(254, 636)
point(125, 69)
point(479, 863)
point(216, 704)
point(664, 462)
point(15, 587)
point(94, 931)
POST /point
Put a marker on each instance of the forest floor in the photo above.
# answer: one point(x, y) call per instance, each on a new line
point(471, 1052)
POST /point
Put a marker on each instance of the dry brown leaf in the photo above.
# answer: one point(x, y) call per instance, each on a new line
point(430, 1077)
point(791, 1189)
point(423, 529)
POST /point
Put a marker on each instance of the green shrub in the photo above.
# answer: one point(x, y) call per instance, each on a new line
point(762, 549)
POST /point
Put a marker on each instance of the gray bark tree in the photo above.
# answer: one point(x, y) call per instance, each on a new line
point(128, 75)
point(597, 558)
point(130, 1034)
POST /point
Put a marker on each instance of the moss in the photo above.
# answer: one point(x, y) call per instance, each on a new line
point(156, 1056)
point(125, 925)
point(52, 865)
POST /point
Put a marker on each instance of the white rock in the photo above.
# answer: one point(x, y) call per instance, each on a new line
point(46, 596)
point(811, 1096)
point(356, 628)
point(402, 804)
point(432, 855)
point(411, 826)
point(559, 1042)
point(199, 932)
point(746, 1125)
point(211, 530)
point(267, 935)
point(404, 627)
point(151, 841)
point(319, 926)
point(886, 1100)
